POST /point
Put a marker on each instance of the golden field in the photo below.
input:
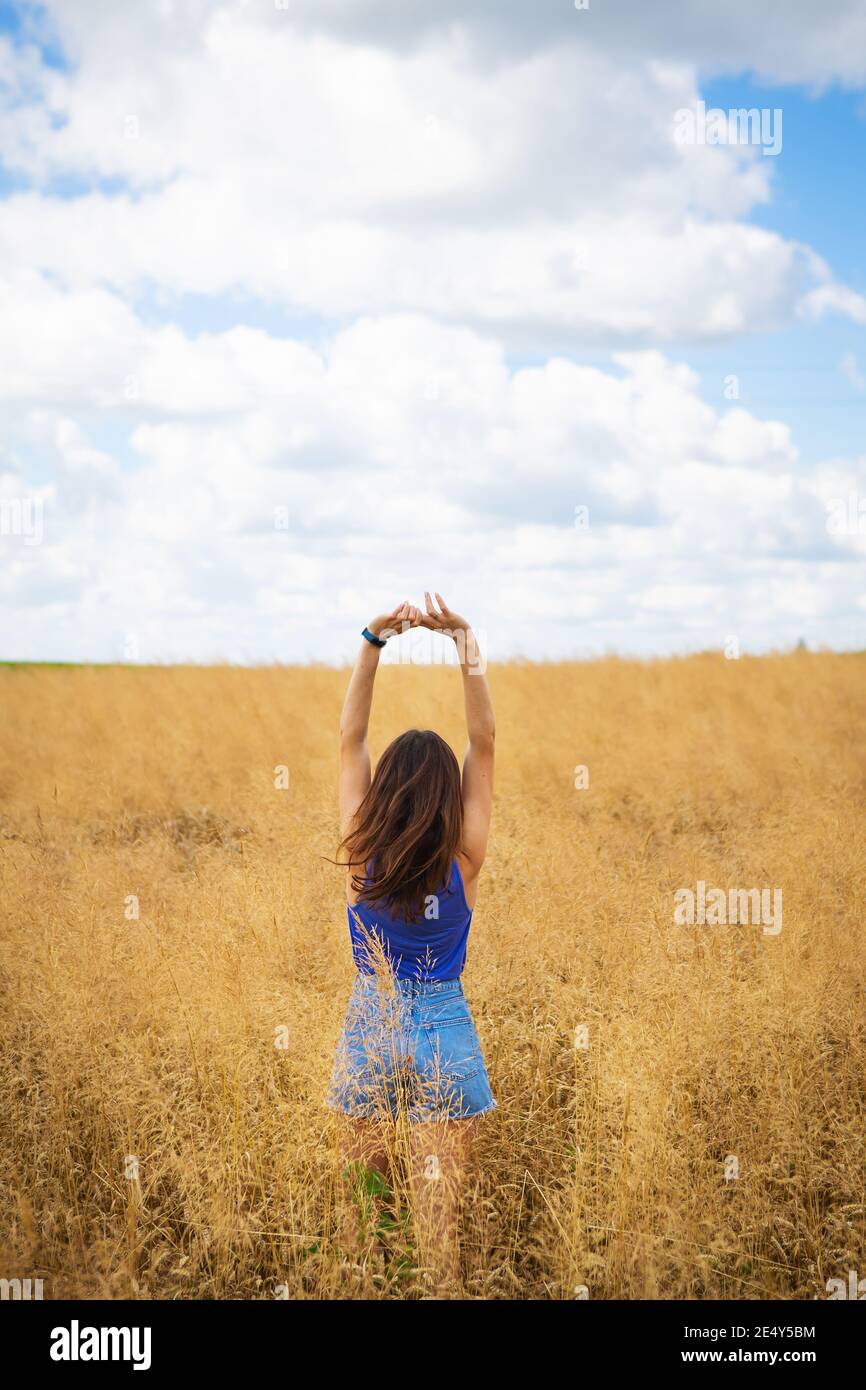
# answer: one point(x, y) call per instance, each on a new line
point(603, 1167)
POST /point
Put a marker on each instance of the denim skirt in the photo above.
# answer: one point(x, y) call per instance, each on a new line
point(409, 1047)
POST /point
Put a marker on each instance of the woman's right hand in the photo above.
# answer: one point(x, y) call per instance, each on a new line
point(443, 621)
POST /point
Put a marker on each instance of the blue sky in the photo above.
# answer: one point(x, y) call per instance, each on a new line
point(271, 275)
point(817, 197)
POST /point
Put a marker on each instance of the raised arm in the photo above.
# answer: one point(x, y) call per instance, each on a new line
point(355, 718)
point(481, 728)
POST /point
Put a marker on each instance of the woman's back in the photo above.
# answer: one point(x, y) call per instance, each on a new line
point(432, 949)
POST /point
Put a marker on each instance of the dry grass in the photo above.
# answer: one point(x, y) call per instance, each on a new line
point(601, 1167)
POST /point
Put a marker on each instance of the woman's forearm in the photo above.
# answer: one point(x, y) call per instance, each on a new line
point(355, 718)
point(480, 719)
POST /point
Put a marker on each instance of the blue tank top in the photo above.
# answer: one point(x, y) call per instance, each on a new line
point(432, 949)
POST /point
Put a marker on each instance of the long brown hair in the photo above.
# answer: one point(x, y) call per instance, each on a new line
point(408, 827)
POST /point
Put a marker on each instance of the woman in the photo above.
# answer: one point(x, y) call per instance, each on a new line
point(415, 840)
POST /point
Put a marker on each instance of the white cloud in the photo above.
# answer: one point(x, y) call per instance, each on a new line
point(542, 193)
point(432, 188)
point(850, 369)
point(800, 42)
point(834, 299)
point(407, 455)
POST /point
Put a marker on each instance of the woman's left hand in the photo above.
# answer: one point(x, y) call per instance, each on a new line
point(404, 616)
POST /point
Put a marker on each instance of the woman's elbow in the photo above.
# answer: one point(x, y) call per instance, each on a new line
point(352, 738)
point(484, 740)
